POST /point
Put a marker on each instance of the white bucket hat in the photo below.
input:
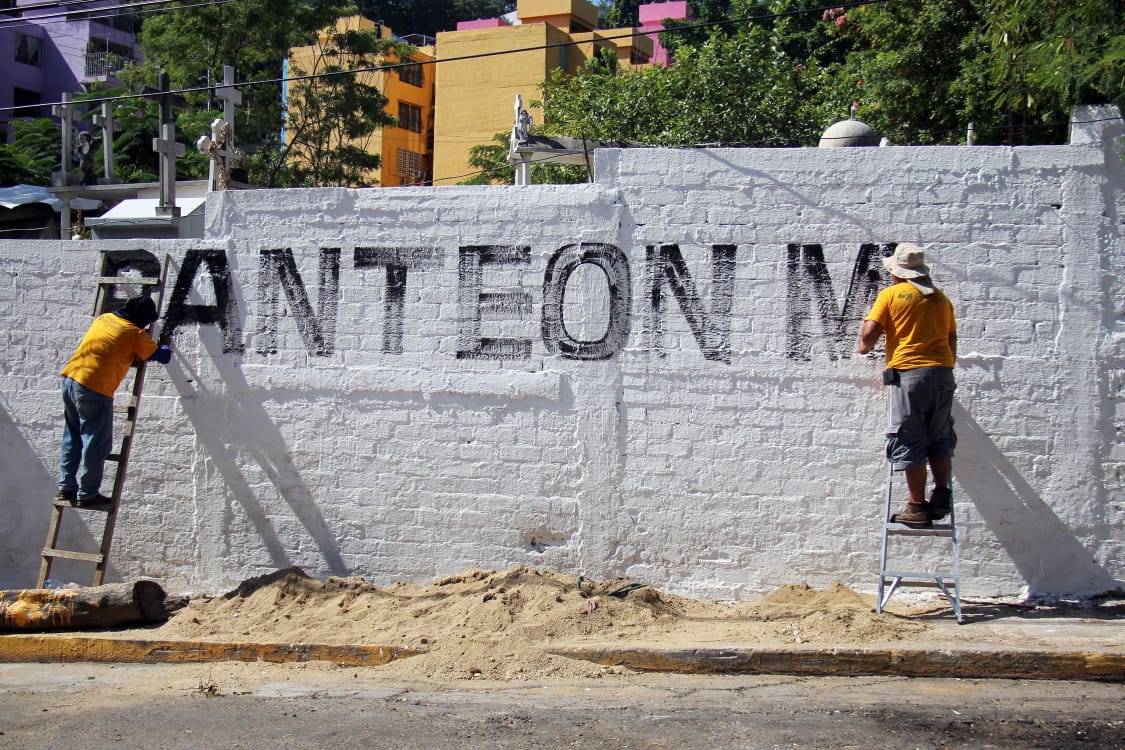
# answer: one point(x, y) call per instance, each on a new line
point(909, 264)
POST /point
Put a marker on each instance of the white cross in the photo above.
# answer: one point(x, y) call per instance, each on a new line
point(168, 150)
point(65, 113)
point(229, 95)
point(105, 121)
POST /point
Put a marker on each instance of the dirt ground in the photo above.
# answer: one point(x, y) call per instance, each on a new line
point(501, 624)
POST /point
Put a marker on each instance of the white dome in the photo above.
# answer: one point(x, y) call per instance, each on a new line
point(849, 133)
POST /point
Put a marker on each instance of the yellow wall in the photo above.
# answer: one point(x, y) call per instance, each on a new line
point(572, 15)
point(476, 97)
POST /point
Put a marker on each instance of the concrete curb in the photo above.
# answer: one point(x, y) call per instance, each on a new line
point(50, 648)
point(962, 663)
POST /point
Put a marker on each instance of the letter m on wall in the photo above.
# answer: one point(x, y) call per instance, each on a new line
point(809, 291)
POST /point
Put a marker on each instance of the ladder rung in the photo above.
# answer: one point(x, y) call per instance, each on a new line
point(932, 578)
point(93, 557)
point(901, 529)
point(76, 506)
point(141, 280)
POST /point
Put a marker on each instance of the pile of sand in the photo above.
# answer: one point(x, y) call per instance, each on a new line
point(501, 624)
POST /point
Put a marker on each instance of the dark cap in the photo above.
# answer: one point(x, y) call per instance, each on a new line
point(140, 311)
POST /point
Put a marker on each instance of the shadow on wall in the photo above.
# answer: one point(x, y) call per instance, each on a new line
point(230, 426)
point(26, 518)
point(1043, 549)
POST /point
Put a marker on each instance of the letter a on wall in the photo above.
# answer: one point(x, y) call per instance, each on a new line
point(224, 313)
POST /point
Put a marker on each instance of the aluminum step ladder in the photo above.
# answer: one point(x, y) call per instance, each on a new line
point(948, 582)
point(154, 286)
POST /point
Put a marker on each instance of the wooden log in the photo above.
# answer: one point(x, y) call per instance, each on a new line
point(87, 607)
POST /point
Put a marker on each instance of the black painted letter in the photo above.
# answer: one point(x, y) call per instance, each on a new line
point(808, 278)
point(224, 313)
point(475, 306)
point(562, 264)
point(666, 268)
point(278, 271)
point(398, 261)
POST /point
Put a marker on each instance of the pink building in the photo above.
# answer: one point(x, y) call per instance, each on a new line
point(652, 18)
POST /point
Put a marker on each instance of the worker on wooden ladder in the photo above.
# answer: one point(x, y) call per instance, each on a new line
point(89, 380)
point(918, 321)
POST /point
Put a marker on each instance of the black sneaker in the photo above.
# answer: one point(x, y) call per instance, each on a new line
point(97, 502)
point(941, 501)
point(67, 496)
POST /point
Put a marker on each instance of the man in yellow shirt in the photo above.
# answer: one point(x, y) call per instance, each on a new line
point(89, 380)
point(921, 332)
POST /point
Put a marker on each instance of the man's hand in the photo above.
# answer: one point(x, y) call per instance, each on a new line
point(165, 338)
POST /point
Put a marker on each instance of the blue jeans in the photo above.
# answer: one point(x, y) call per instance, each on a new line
point(87, 438)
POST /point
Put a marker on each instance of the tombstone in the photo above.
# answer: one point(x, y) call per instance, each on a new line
point(65, 113)
point(165, 145)
point(168, 149)
point(105, 121)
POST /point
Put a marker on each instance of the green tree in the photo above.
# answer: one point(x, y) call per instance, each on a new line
point(333, 115)
point(733, 89)
point(33, 154)
point(194, 42)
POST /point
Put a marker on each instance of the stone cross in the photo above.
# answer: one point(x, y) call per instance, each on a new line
point(168, 150)
point(165, 98)
point(65, 113)
point(105, 121)
point(229, 95)
point(166, 144)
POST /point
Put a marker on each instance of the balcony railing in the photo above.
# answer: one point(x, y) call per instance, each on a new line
point(101, 64)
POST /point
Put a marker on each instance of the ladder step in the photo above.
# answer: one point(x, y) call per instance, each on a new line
point(901, 529)
point(137, 280)
point(93, 557)
point(931, 577)
point(76, 506)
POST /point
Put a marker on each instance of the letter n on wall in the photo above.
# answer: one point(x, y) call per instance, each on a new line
point(278, 272)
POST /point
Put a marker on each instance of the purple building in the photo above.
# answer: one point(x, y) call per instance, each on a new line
point(48, 49)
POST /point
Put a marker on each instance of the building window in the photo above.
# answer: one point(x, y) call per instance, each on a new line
point(410, 117)
point(24, 102)
point(29, 50)
point(411, 74)
point(410, 167)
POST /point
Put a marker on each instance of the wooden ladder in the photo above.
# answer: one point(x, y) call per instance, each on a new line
point(154, 286)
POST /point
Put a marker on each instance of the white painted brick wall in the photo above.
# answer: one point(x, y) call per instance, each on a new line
point(702, 477)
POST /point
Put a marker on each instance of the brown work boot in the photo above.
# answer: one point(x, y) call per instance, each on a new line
point(916, 515)
point(941, 501)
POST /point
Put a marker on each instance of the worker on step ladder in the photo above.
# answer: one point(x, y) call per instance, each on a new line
point(89, 380)
point(921, 332)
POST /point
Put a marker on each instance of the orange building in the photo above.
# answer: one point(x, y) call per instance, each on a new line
point(406, 150)
point(476, 88)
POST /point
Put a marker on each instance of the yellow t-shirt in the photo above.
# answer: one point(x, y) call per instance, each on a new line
point(917, 326)
point(106, 352)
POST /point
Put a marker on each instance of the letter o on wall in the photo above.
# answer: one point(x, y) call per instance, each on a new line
point(560, 267)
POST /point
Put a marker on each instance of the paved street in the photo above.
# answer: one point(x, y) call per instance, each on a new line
point(236, 705)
